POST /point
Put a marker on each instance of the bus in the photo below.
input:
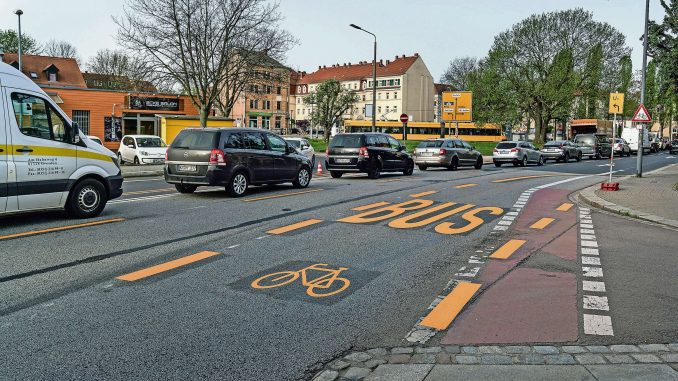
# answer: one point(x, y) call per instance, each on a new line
point(488, 132)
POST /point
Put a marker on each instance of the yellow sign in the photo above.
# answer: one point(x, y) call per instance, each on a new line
point(324, 285)
point(616, 103)
point(457, 106)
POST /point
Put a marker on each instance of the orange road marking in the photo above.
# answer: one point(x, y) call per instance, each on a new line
point(60, 228)
point(153, 270)
point(508, 249)
point(542, 223)
point(442, 315)
point(370, 206)
point(522, 178)
point(465, 186)
point(422, 194)
point(298, 225)
point(564, 207)
point(281, 195)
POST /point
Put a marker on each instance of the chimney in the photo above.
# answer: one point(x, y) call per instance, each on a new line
point(349, 64)
point(381, 62)
point(319, 67)
point(388, 62)
point(404, 56)
point(416, 54)
point(396, 57)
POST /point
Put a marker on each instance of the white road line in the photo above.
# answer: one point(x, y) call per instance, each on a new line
point(146, 198)
point(590, 261)
point(589, 237)
point(593, 286)
point(589, 243)
point(589, 251)
point(592, 272)
point(587, 231)
point(233, 246)
point(592, 302)
point(598, 325)
point(588, 226)
point(505, 223)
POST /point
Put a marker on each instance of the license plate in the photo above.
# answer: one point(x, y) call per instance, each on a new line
point(187, 168)
point(504, 152)
point(553, 150)
point(342, 161)
point(158, 161)
point(426, 154)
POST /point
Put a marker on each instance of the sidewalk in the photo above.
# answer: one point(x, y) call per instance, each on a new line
point(141, 170)
point(652, 198)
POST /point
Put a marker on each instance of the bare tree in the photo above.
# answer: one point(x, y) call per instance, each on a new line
point(117, 63)
point(458, 71)
point(209, 47)
point(63, 49)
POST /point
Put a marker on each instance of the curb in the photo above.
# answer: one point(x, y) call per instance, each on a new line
point(588, 196)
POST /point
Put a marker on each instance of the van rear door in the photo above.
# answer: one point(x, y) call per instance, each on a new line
point(5, 157)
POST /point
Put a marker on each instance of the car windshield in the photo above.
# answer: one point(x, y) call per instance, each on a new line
point(346, 141)
point(506, 145)
point(294, 143)
point(199, 140)
point(585, 140)
point(150, 143)
point(556, 143)
point(431, 144)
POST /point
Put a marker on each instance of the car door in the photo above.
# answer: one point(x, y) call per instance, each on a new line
point(43, 153)
point(399, 155)
point(284, 163)
point(385, 152)
point(259, 159)
point(469, 157)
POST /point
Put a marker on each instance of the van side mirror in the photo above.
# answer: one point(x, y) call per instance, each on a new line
point(75, 133)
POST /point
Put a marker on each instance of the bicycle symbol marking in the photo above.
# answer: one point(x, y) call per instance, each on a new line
point(325, 285)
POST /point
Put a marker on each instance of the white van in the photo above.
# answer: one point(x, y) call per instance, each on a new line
point(630, 134)
point(45, 161)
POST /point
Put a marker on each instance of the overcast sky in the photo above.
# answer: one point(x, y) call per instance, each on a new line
point(438, 30)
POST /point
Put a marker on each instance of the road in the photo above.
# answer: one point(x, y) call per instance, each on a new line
point(169, 286)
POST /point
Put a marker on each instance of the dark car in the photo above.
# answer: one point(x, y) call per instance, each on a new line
point(673, 147)
point(593, 145)
point(561, 150)
point(371, 153)
point(234, 158)
point(448, 153)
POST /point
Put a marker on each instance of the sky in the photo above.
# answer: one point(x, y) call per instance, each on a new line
point(439, 30)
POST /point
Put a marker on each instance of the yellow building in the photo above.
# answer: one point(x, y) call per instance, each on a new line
point(171, 125)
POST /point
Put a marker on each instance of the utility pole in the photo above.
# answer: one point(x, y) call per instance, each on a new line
point(374, 78)
point(641, 131)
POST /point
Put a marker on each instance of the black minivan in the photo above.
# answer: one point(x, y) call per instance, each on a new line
point(371, 153)
point(234, 158)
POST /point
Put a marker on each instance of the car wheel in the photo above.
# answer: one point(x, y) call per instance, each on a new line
point(566, 159)
point(409, 169)
point(541, 161)
point(136, 160)
point(497, 164)
point(185, 188)
point(454, 164)
point(237, 187)
point(335, 174)
point(479, 163)
point(313, 161)
point(422, 167)
point(524, 162)
point(579, 156)
point(375, 172)
point(87, 199)
point(120, 161)
point(303, 178)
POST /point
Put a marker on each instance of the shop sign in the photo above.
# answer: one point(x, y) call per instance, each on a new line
point(153, 103)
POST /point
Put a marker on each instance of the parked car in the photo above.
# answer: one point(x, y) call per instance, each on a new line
point(593, 145)
point(516, 153)
point(235, 158)
point(621, 147)
point(448, 153)
point(561, 150)
point(95, 139)
point(303, 146)
point(371, 153)
point(142, 149)
point(673, 147)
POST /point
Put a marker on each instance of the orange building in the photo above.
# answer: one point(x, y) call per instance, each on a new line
point(107, 114)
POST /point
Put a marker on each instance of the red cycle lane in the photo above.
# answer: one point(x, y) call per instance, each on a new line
point(531, 296)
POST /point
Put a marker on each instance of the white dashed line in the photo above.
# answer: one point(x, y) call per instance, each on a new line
point(590, 261)
point(593, 286)
point(592, 272)
point(592, 302)
point(598, 325)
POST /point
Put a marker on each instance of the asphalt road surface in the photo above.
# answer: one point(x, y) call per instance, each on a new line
point(273, 285)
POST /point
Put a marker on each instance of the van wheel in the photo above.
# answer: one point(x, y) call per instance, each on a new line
point(120, 161)
point(303, 178)
point(136, 160)
point(479, 163)
point(237, 187)
point(87, 199)
point(185, 188)
point(335, 174)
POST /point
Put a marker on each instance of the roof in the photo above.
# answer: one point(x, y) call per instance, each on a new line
point(10, 76)
point(69, 72)
point(363, 69)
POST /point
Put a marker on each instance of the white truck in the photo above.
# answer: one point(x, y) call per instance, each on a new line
point(630, 134)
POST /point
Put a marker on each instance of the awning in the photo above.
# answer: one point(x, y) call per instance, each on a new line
point(260, 113)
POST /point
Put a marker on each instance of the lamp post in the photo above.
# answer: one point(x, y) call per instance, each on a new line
point(19, 12)
point(374, 78)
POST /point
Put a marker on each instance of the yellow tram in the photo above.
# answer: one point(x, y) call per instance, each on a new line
point(488, 132)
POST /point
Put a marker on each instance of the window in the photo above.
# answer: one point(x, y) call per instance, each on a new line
point(266, 122)
point(395, 108)
point(276, 144)
point(388, 95)
point(378, 108)
point(82, 119)
point(395, 95)
point(268, 89)
point(393, 143)
point(235, 140)
point(386, 108)
point(34, 75)
point(355, 86)
point(458, 144)
point(391, 82)
point(254, 140)
point(397, 82)
point(371, 141)
point(254, 104)
point(278, 105)
point(277, 122)
point(363, 97)
point(382, 141)
point(278, 90)
point(150, 143)
point(267, 105)
point(383, 82)
point(466, 145)
point(36, 118)
point(52, 77)
point(253, 122)
point(378, 95)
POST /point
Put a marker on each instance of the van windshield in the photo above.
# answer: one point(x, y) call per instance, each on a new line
point(585, 140)
point(346, 141)
point(150, 143)
point(431, 144)
point(198, 140)
point(506, 145)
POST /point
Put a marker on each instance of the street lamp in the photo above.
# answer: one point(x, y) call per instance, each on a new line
point(374, 78)
point(19, 12)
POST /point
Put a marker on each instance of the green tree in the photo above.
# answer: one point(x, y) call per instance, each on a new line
point(330, 101)
point(9, 42)
point(591, 86)
point(458, 71)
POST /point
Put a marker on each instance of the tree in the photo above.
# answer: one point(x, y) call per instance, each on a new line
point(118, 63)
point(331, 102)
point(534, 56)
point(458, 71)
point(9, 42)
point(63, 49)
point(208, 47)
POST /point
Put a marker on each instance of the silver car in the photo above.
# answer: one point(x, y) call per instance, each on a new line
point(303, 146)
point(517, 153)
point(621, 147)
point(448, 153)
point(561, 150)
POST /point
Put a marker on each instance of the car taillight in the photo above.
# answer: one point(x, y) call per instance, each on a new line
point(363, 152)
point(495, 150)
point(217, 157)
point(515, 149)
point(442, 152)
point(166, 156)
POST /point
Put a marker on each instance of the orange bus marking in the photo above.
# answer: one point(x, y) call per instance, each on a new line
point(542, 223)
point(465, 186)
point(60, 228)
point(422, 194)
point(289, 228)
point(370, 206)
point(153, 270)
point(508, 249)
point(442, 315)
point(564, 207)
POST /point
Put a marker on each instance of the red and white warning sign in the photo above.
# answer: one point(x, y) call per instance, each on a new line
point(641, 115)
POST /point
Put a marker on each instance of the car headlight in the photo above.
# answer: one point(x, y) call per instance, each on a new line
point(143, 153)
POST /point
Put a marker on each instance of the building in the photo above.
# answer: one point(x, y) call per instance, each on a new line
point(106, 113)
point(404, 85)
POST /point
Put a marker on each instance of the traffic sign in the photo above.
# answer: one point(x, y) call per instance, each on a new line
point(404, 118)
point(457, 106)
point(616, 103)
point(641, 115)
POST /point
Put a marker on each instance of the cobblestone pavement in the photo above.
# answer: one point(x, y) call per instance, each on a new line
point(359, 365)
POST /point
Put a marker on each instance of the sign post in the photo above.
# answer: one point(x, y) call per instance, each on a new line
point(457, 107)
point(404, 118)
point(616, 106)
point(641, 116)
